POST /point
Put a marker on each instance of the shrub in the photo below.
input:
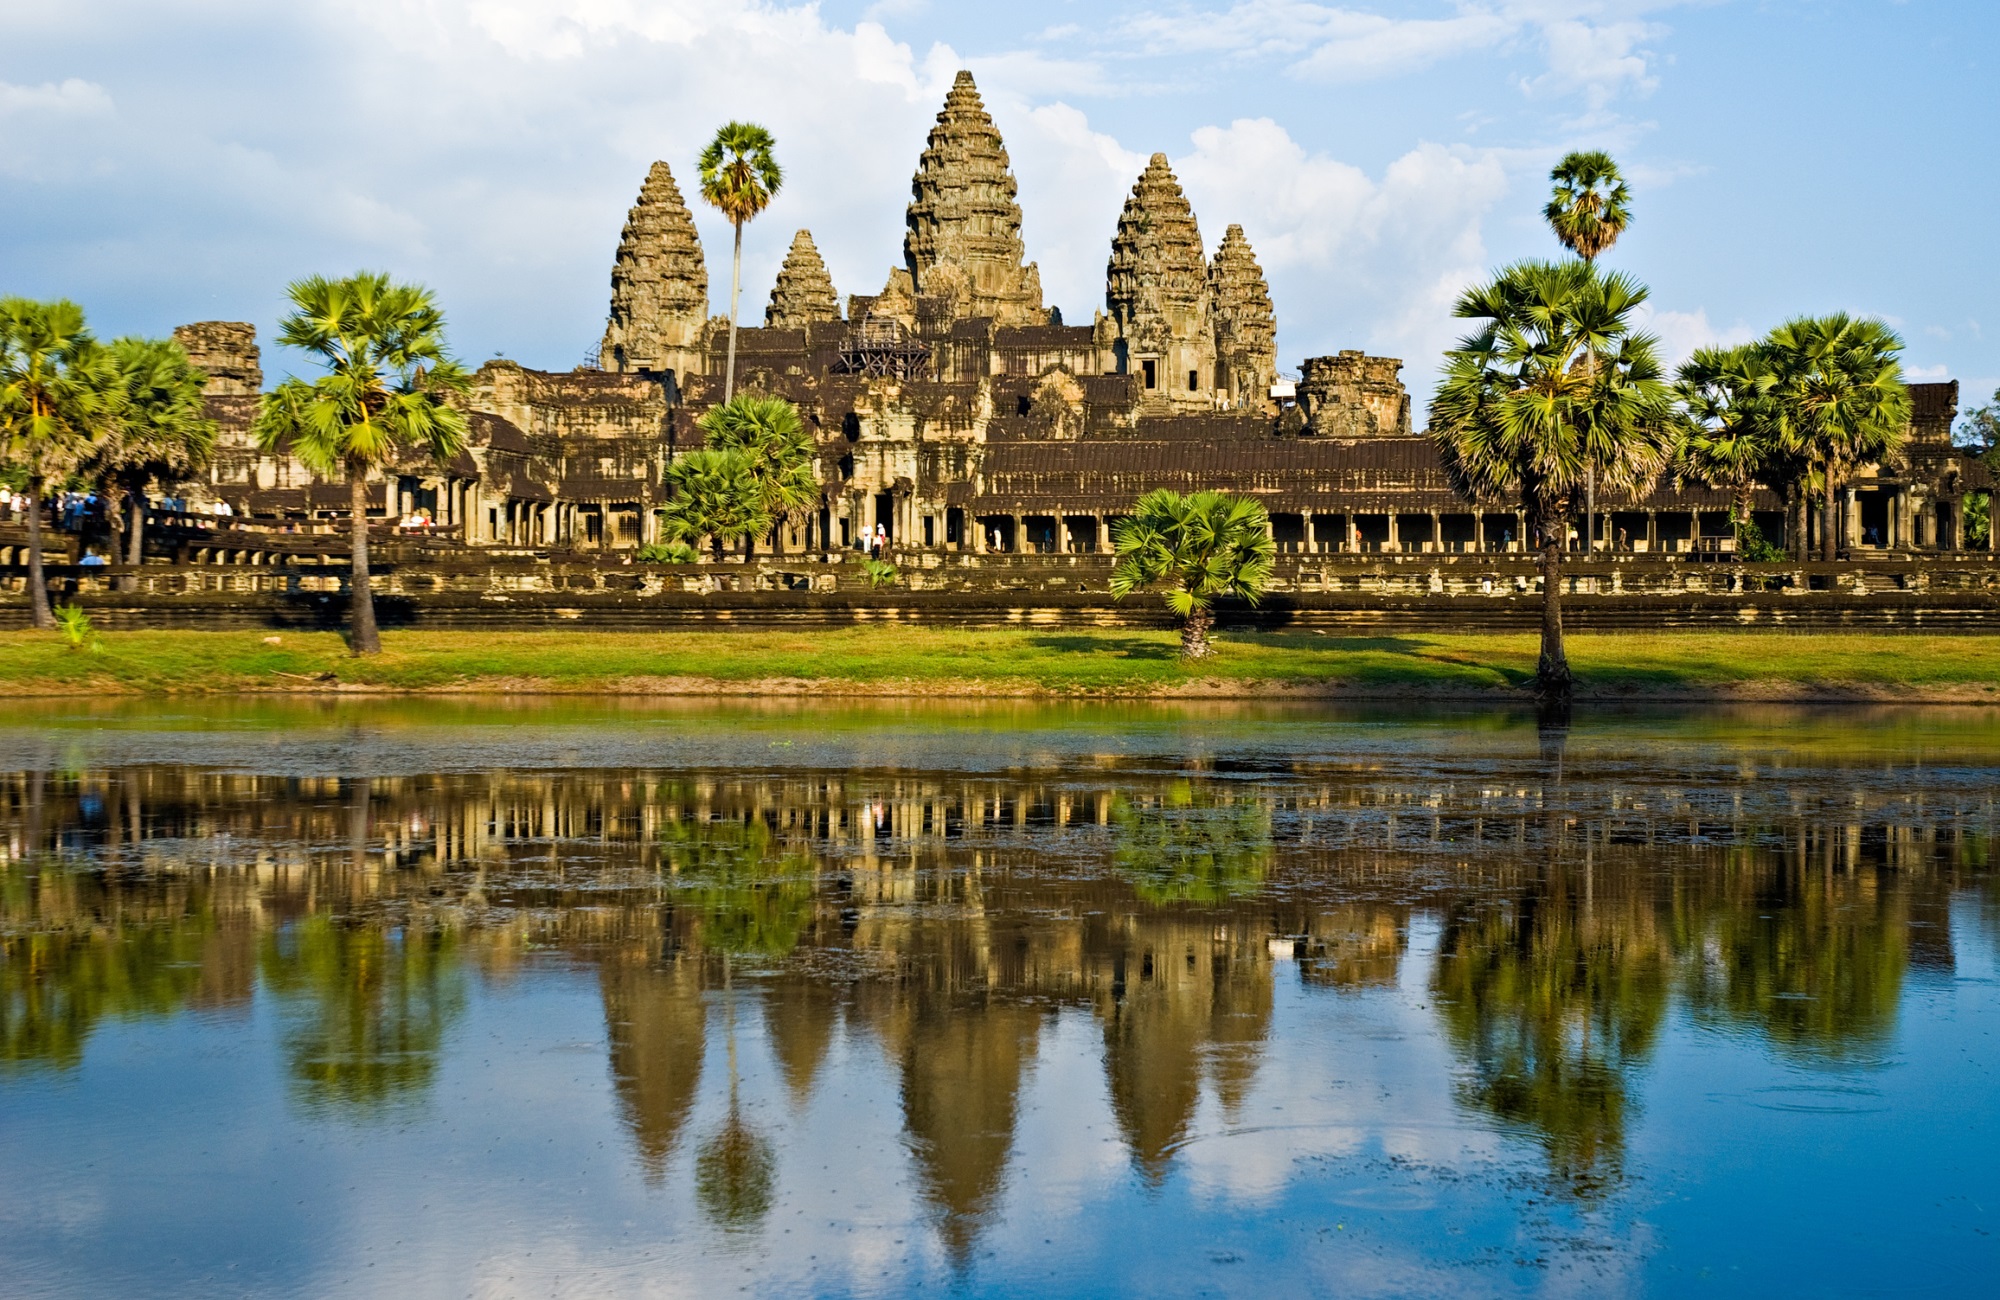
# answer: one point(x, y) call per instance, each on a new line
point(879, 572)
point(1752, 545)
point(668, 553)
point(74, 624)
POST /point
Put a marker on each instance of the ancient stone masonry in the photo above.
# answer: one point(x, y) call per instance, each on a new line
point(964, 236)
point(957, 414)
point(1352, 395)
point(659, 285)
point(1157, 293)
point(226, 351)
point(804, 292)
point(1246, 327)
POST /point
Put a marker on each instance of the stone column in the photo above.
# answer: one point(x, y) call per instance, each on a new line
point(1479, 530)
point(1104, 546)
point(1437, 532)
point(1019, 546)
point(1395, 533)
point(1352, 531)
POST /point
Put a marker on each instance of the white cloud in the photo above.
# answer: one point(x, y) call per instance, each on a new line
point(1588, 46)
point(1681, 332)
point(70, 98)
point(1353, 260)
point(1600, 61)
point(1381, 47)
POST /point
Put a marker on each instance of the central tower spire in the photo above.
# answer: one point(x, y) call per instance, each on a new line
point(964, 235)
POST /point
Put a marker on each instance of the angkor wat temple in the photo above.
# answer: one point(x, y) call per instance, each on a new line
point(959, 412)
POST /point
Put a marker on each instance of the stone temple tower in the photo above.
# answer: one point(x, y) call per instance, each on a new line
point(804, 292)
point(1159, 323)
point(1246, 327)
point(659, 285)
point(964, 236)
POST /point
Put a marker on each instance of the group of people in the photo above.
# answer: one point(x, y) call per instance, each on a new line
point(875, 542)
point(417, 521)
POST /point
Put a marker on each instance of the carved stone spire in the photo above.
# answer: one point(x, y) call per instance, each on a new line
point(1246, 328)
point(659, 285)
point(964, 237)
point(804, 292)
point(1157, 292)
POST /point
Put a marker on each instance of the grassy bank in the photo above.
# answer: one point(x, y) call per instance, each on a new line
point(930, 661)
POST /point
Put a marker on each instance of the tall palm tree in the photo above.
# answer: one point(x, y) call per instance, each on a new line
point(163, 434)
point(1590, 207)
point(1841, 402)
point(55, 403)
point(1554, 386)
point(779, 450)
point(717, 496)
point(1730, 438)
point(1201, 547)
point(387, 388)
point(740, 177)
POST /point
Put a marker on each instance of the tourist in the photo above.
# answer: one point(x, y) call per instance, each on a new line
point(1624, 543)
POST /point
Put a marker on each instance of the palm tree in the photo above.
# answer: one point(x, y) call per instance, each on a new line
point(1730, 435)
point(1841, 403)
point(387, 388)
point(55, 402)
point(739, 177)
point(717, 496)
point(1554, 387)
point(163, 434)
point(1588, 210)
point(1201, 547)
point(1590, 207)
point(773, 440)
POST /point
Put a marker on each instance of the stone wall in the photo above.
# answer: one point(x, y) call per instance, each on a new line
point(1331, 594)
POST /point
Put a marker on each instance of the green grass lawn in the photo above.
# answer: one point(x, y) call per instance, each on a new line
point(931, 660)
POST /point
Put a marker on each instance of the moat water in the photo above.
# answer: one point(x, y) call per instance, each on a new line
point(413, 999)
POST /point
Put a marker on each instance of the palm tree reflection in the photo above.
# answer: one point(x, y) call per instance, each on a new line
point(366, 1007)
point(1551, 1001)
point(1192, 844)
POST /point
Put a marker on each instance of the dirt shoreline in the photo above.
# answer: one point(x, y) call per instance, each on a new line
point(1758, 692)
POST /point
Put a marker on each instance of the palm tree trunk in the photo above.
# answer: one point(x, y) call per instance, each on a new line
point(1590, 502)
point(40, 615)
point(114, 519)
point(364, 638)
point(1829, 532)
point(135, 537)
point(1194, 634)
point(735, 288)
point(1553, 683)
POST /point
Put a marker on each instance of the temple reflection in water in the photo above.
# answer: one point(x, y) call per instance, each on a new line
point(948, 919)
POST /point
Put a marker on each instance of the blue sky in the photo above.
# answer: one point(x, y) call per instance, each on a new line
point(172, 160)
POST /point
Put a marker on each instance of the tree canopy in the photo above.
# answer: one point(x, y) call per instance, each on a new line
point(1198, 548)
point(1590, 206)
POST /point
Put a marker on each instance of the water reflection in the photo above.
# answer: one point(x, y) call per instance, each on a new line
point(944, 919)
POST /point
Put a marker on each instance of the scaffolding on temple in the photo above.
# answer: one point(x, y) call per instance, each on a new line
point(881, 346)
